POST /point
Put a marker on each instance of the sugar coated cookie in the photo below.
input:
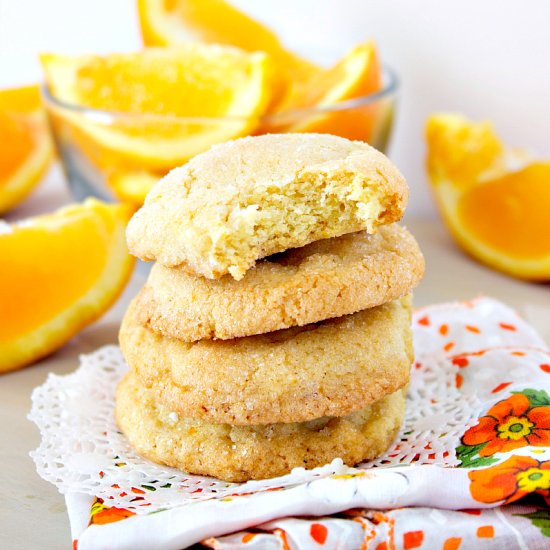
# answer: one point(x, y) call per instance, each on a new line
point(256, 196)
point(324, 279)
point(331, 368)
point(240, 453)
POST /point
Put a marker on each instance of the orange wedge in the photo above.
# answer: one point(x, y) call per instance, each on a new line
point(166, 22)
point(494, 200)
point(26, 149)
point(158, 94)
point(58, 273)
point(356, 75)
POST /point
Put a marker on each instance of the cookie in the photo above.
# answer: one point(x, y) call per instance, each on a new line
point(240, 453)
point(256, 196)
point(331, 368)
point(324, 279)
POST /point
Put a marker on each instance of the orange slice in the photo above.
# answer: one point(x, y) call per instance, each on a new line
point(58, 273)
point(26, 149)
point(165, 22)
point(494, 200)
point(356, 75)
point(173, 102)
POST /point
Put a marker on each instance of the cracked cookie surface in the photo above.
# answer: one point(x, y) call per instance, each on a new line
point(256, 196)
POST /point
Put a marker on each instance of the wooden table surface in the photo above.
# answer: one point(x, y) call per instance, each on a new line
point(32, 512)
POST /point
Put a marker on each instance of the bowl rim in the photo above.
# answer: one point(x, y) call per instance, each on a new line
point(391, 83)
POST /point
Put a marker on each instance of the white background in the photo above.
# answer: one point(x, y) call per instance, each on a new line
point(484, 58)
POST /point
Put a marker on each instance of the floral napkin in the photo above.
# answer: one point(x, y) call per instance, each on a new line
point(475, 439)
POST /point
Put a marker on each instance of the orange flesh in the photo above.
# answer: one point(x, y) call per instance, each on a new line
point(358, 74)
point(148, 86)
point(358, 123)
point(20, 100)
point(511, 213)
point(461, 151)
point(63, 266)
point(218, 22)
point(235, 27)
point(319, 89)
point(17, 144)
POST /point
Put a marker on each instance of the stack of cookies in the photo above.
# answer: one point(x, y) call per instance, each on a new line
point(274, 330)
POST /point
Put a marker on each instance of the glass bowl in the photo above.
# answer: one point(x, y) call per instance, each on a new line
point(119, 156)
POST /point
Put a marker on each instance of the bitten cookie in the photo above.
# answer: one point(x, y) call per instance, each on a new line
point(240, 453)
point(331, 368)
point(324, 279)
point(256, 196)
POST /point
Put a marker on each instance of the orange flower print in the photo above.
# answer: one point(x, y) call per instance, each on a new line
point(510, 424)
point(101, 514)
point(511, 480)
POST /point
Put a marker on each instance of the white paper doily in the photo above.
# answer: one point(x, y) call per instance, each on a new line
point(83, 451)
